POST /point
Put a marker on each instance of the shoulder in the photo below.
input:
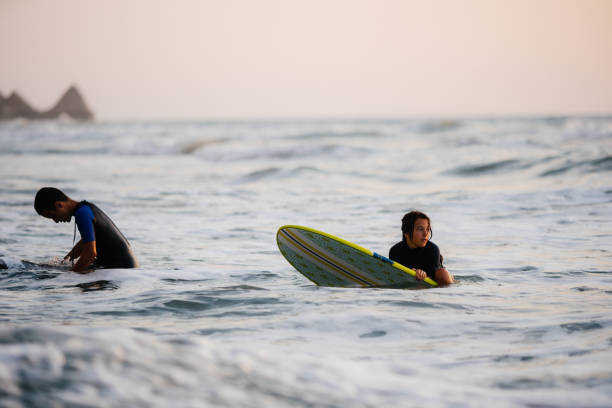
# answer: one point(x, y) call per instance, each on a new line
point(431, 247)
point(84, 211)
point(397, 247)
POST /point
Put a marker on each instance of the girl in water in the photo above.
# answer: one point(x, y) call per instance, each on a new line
point(417, 252)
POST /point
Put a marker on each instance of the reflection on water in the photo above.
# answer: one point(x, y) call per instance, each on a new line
point(97, 285)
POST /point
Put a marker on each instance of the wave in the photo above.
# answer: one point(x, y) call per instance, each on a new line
point(194, 146)
point(440, 126)
point(71, 366)
point(242, 152)
point(556, 166)
point(78, 367)
point(486, 168)
point(602, 164)
point(350, 134)
point(276, 172)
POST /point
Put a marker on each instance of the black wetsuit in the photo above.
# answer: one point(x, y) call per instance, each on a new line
point(426, 258)
point(113, 248)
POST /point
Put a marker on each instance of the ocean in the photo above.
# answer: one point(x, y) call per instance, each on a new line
point(521, 209)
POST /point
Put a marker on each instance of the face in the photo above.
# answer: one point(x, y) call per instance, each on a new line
point(420, 233)
point(61, 213)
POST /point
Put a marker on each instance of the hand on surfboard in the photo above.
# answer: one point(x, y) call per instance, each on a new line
point(420, 274)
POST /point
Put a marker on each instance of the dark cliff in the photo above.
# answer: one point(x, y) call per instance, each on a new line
point(71, 104)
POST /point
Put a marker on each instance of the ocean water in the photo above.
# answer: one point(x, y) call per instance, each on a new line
point(521, 209)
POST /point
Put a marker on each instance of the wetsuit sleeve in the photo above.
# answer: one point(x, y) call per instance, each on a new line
point(433, 261)
point(84, 218)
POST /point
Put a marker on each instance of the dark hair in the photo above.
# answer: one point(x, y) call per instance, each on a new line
point(408, 222)
point(46, 198)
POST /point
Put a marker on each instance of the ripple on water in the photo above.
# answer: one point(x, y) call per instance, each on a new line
point(584, 289)
point(486, 168)
point(264, 275)
point(526, 384)
point(223, 305)
point(409, 303)
point(98, 285)
point(513, 358)
point(581, 326)
point(373, 333)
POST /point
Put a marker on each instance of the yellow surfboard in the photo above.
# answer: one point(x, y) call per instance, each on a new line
point(331, 261)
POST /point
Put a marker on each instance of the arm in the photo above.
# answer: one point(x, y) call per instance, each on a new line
point(441, 275)
point(75, 252)
point(444, 277)
point(85, 250)
point(87, 255)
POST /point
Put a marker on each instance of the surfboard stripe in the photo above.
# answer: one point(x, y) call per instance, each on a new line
point(356, 277)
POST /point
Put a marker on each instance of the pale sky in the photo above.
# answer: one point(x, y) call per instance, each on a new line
point(184, 59)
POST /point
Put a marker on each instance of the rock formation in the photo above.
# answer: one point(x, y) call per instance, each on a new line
point(71, 104)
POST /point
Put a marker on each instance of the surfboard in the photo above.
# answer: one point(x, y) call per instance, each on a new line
point(331, 261)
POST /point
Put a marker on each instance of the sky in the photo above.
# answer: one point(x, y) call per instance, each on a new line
point(226, 59)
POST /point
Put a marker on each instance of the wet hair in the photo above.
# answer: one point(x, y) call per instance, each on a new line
point(408, 223)
point(46, 197)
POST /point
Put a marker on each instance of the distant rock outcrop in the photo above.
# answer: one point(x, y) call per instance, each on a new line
point(71, 104)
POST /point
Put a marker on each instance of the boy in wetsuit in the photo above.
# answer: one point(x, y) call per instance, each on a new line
point(101, 244)
point(417, 252)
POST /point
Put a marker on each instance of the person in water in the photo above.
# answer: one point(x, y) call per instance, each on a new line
point(417, 252)
point(101, 244)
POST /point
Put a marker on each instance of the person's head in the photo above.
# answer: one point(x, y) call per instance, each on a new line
point(52, 203)
point(416, 229)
